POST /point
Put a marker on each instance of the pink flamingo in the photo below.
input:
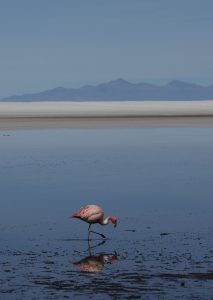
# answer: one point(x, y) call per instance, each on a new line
point(93, 214)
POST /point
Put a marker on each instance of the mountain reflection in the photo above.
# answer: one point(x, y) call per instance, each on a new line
point(95, 263)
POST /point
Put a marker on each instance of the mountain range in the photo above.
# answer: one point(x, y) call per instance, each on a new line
point(120, 89)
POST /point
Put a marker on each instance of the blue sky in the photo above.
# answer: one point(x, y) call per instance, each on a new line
point(50, 43)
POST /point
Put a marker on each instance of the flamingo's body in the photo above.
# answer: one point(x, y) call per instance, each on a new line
point(93, 214)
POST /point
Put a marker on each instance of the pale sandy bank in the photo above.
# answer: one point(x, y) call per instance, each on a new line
point(106, 109)
point(106, 114)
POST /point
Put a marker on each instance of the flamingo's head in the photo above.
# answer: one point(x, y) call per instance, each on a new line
point(113, 220)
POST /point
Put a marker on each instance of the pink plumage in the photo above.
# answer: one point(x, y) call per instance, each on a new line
point(93, 214)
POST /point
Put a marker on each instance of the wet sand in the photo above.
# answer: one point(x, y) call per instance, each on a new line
point(106, 114)
point(103, 122)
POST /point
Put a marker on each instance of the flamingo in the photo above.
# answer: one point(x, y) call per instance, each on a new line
point(93, 214)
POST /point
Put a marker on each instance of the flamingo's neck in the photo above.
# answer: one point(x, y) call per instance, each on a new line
point(105, 221)
point(111, 219)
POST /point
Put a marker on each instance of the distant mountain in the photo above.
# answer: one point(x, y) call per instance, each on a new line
point(120, 89)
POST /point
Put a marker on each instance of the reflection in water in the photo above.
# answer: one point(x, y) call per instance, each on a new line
point(95, 263)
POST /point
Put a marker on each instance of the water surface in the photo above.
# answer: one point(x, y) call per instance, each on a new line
point(157, 181)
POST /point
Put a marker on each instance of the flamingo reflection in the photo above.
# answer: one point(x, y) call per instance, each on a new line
point(95, 263)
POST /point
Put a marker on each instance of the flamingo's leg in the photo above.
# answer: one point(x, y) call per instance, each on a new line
point(102, 235)
point(89, 232)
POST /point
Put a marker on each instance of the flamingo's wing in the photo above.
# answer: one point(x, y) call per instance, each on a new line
point(90, 213)
point(81, 212)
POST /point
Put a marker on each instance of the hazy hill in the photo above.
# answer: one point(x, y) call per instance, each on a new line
point(120, 89)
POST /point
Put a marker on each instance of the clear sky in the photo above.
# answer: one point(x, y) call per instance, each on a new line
point(50, 43)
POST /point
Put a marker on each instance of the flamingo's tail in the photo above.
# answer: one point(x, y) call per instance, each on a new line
point(76, 215)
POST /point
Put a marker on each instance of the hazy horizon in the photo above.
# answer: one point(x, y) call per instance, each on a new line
point(121, 90)
point(74, 43)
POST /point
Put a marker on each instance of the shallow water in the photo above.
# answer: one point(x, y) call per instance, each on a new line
point(157, 181)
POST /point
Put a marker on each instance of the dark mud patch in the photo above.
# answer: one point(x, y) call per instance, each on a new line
point(179, 266)
point(194, 276)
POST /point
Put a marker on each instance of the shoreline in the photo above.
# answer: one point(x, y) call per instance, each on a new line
point(102, 122)
point(22, 115)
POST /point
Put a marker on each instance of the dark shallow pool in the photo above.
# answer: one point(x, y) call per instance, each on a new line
point(158, 182)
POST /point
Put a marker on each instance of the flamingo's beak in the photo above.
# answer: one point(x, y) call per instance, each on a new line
point(115, 224)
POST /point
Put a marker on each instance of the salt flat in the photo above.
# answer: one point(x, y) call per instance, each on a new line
point(14, 115)
point(106, 109)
